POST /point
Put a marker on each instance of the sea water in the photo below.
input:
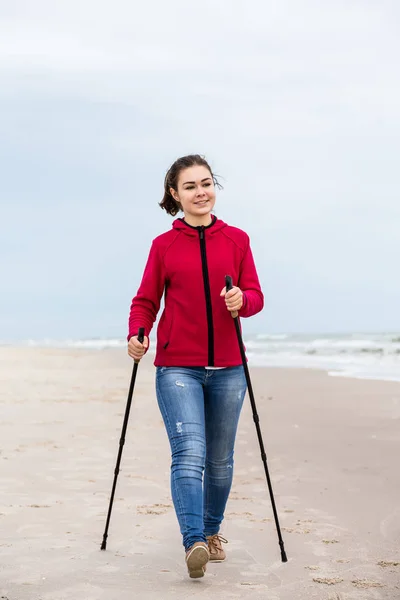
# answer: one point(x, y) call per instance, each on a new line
point(361, 355)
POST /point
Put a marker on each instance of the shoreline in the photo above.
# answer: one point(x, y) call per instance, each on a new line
point(334, 372)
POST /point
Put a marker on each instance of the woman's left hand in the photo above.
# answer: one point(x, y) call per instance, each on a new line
point(233, 299)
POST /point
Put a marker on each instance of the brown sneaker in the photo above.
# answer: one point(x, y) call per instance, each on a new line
point(196, 559)
point(217, 553)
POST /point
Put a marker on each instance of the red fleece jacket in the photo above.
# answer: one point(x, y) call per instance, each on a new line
point(189, 264)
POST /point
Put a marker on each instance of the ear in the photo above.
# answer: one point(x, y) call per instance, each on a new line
point(174, 194)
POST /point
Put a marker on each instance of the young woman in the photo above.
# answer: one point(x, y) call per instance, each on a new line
point(200, 381)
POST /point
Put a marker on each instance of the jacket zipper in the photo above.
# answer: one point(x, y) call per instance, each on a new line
point(208, 298)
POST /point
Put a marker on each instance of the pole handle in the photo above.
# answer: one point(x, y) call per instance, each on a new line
point(140, 338)
point(229, 286)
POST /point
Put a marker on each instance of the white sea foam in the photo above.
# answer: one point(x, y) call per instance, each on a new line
point(367, 356)
point(271, 336)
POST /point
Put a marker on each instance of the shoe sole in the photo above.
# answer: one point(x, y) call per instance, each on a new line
point(196, 561)
point(217, 560)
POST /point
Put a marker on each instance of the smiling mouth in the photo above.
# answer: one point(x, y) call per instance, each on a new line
point(202, 202)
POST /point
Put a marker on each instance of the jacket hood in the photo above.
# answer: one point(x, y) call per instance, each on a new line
point(214, 227)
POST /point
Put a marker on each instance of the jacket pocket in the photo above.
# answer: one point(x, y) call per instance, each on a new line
point(168, 328)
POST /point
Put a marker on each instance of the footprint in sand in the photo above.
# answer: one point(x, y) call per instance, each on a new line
point(328, 580)
point(153, 509)
point(388, 563)
point(343, 560)
point(239, 514)
point(364, 584)
point(252, 585)
point(296, 530)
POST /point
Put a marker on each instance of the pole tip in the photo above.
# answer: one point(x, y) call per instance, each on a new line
point(103, 545)
point(284, 557)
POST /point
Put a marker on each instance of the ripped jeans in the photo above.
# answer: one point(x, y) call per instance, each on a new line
point(201, 409)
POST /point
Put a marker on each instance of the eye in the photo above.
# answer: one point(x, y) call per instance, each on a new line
point(189, 187)
point(207, 184)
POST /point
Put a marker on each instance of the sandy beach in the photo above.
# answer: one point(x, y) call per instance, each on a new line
point(333, 448)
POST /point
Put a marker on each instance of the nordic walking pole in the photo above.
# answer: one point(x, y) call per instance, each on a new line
point(228, 283)
point(122, 440)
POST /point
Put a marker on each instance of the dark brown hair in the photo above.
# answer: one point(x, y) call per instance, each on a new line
point(168, 203)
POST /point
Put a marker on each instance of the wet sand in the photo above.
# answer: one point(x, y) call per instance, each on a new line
point(333, 448)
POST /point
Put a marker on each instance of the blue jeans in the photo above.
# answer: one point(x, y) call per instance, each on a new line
point(201, 409)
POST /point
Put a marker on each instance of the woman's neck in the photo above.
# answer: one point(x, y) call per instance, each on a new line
point(204, 220)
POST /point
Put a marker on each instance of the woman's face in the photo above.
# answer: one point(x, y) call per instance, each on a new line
point(196, 192)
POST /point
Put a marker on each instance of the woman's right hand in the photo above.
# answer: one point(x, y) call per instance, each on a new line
point(136, 350)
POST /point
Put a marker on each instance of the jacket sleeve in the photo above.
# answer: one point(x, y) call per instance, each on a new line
point(253, 298)
point(146, 304)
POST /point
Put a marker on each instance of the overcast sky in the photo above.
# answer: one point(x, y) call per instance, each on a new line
point(295, 104)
